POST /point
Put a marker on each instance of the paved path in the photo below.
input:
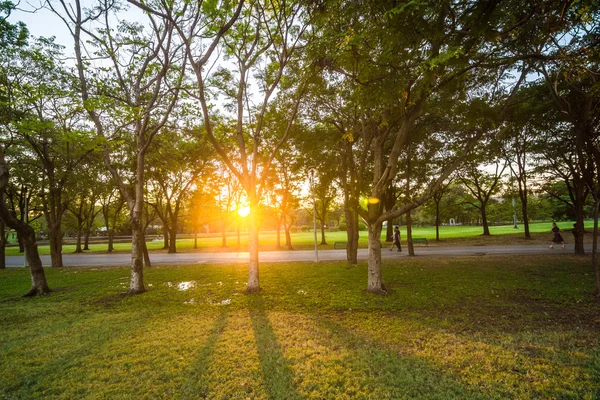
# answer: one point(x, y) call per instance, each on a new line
point(89, 260)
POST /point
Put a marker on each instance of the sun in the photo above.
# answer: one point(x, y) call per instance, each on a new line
point(244, 211)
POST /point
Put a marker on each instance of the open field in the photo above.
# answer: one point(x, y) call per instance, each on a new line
point(468, 328)
point(449, 236)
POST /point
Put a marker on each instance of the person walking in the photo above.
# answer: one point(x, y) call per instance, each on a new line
point(557, 237)
point(396, 242)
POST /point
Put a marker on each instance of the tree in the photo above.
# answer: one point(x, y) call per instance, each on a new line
point(129, 98)
point(482, 185)
point(190, 162)
point(111, 203)
point(261, 45)
point(397, 72)
point(39, 285)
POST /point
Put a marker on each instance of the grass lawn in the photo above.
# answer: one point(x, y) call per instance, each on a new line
point(449, 236)
point(465, 328)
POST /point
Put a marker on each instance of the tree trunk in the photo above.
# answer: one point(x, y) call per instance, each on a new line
point(409, 242)
point(21, 243)
point(352, 235)
point(278, 232)
point(288, 235)
point(55, 243)
point(253, 281)
point(166, 236)
point(437, 220)
point(2, 245)
point(579, 220)
point(595, 250)
point(86, 240)
point(525, 218)
point(147, 263)
point(173, 237)
point(78, 245)
point(111, 238)
point(136, 283)
point(375, 281)
point(484, 221)
point(323, 241)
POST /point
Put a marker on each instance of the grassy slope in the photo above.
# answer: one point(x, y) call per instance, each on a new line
point(449, 235)
point(507, 327)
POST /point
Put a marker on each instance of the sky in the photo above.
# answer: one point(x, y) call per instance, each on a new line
point(42, 22)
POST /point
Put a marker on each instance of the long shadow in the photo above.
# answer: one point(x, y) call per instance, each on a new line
point(196, 381)
point(276, 372)
point(376, 365)
point(65, 358)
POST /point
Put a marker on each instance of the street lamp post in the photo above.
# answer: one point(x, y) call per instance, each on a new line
point(311, 177)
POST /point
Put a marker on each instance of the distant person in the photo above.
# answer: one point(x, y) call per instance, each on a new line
point(557, 237)
point(396, 242)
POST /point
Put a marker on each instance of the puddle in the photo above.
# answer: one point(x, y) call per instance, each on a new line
point(219, 303)
point(182, 285)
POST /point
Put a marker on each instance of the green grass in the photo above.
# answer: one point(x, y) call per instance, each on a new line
point(449, 236)
point(465, 328)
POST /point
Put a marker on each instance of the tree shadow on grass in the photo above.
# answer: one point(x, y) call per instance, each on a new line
point(277, 374)
point(381, 369)
point(196, 384)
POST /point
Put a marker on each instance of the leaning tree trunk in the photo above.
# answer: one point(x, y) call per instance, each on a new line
point(375, 281)
point(39, 285)
point(253, 280)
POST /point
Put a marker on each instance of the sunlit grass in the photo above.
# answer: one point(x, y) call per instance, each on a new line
point(449, 235)
point(491, 327)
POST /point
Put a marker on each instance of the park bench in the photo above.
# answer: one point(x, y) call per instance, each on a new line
point(340, 245)
point(421, 241)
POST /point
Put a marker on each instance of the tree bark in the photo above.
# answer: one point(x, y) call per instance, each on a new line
point(595, 250)
point(484, 220)
point(578, 210)
point(2, 244)
point(253, 279)
point(166, 235)
point(409, 242)
point(136, 283)
point(375, 280)
point(352, 235)
point(437, 218)
point(173, 238)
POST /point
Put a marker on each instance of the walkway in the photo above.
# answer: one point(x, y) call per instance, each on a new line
point(97, 260)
